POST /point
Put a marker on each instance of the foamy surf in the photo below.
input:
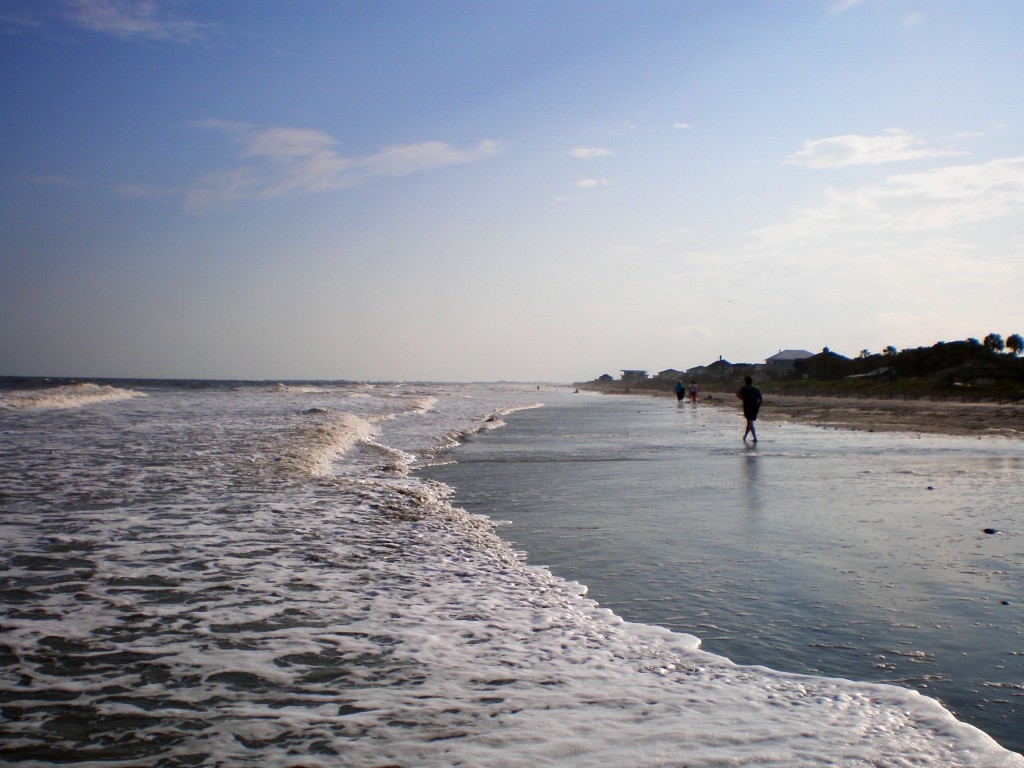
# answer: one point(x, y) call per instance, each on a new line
point(321, 438)
point(66, 396)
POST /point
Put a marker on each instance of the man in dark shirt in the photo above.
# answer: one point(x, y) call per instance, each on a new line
point(751, 397)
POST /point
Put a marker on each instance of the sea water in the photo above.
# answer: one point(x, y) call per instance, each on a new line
point(232, 573)
point(895, 558)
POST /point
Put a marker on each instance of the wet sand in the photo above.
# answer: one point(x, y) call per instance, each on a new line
point(881, 415)
point(941, 417)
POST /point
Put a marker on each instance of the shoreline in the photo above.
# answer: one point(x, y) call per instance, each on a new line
point(875, 415)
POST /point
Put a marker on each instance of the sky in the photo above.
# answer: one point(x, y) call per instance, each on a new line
point(502, 190)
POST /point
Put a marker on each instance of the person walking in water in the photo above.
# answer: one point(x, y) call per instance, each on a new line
point(751, 397)
point(694, 389)
point(680, 391)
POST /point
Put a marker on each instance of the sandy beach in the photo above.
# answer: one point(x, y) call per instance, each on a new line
point(880, 415)
point(943, 417)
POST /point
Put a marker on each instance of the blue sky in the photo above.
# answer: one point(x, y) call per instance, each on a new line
point(502, 190)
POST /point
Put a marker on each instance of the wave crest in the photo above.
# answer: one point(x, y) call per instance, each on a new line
point(327, 435)
point(301, 389)
point(66, 396)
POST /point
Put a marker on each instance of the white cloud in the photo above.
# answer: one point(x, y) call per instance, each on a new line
point(131, 19)
point(935, 200)
point(591, 183)
point(411, 158)
point(944, 197)
point(275, 162)
point(838, 151)
point(681, 126)
point(589, 153)
point(282, 144)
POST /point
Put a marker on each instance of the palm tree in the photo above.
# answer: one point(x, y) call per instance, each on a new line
point(994, 342)
point(1015, 344)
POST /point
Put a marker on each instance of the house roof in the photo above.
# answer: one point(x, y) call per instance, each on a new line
point(829, 354)
point(790, 354)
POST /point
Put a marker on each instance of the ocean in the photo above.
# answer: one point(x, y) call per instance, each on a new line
point(339, 574)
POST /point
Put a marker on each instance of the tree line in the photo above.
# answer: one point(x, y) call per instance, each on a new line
point(993, 356)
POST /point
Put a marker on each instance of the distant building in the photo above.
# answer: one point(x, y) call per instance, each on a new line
point(823, 366)
point(781, 364)
point(726, 371)
point(606, 377)
point(697, 373)
point(670, 373)
point(720, 370)
point(634, 375)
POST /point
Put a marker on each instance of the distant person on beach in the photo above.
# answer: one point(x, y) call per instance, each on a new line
point(751, 397)
point(680, 391)
point(694, 389)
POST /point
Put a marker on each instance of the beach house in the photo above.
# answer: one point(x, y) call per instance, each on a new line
point(781, 364)
point(823, 366)
point(635, 375)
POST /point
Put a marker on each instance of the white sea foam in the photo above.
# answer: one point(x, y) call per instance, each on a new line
point(321, 437)
point(65, 396)
point(491, 420)
point(424, 403)
point(230, 578)
point(301, 389)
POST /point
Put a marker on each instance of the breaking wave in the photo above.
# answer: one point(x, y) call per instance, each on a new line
point(66, 396)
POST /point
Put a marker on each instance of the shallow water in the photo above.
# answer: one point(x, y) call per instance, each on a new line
point(854, 554)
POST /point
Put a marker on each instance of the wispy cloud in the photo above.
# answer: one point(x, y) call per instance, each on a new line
point(840, 7)
point(127, 19)
point(681, 126)
point(852, 149)
point(131, 19)
point(955, 194)
point(16, 16)
point(589, 153)
point(276, 162)
point(591, 183)
point(935, 200)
